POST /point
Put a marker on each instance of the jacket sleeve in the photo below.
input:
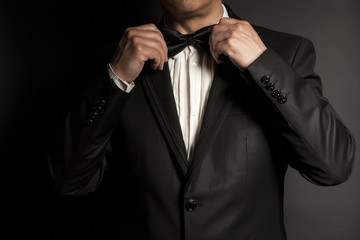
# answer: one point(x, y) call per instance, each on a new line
point(78, 160)
point(321, 147)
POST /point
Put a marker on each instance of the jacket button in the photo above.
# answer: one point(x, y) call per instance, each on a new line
point(190, 205)
point(89, 122)
point(276, 93)
point(265, 79)
point(282, 99)
point(102, 102)
point(270, 86)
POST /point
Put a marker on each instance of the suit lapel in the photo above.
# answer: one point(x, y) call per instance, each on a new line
point(219, 102)
point(157, 85)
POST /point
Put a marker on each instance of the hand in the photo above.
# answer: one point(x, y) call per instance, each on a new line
point(138, 45)
point(237, 40)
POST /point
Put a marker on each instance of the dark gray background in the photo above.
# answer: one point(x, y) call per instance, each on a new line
point(312, 212)
point(49, 49)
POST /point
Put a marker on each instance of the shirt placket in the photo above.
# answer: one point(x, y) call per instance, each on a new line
point(195, 94)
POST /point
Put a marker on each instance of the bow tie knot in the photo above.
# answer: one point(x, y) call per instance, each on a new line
point(190, 39)
point(177, 41)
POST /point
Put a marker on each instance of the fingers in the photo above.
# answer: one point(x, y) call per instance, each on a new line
point(237, 40)
point(225, 38)
point(238, 27)
point(228, 45)
point(149, 36)
point(138, 45)
point(242, 26)
point(148, 47)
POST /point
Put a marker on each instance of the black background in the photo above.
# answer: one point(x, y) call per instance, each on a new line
point(49, 50)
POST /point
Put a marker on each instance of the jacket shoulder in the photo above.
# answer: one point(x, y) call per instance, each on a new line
point(274, 36)
point(285, 44)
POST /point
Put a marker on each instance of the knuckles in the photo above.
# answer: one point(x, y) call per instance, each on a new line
point(134, 40)
point(233, 34)
point(238, 27)
point(243, 26)
point(128, 32)
point(138, 48)
point(152, 25)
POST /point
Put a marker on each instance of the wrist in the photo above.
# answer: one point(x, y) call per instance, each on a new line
point(120, 83)
point(118, 73)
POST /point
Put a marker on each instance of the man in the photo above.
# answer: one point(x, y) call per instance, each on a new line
point(194, 140)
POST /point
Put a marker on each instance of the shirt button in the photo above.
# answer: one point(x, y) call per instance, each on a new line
point(194, 64)
point(190, 205)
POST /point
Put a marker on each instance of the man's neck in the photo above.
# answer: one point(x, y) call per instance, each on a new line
point(191, 22)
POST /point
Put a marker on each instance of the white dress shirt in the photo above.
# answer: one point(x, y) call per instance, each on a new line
point(192, 72)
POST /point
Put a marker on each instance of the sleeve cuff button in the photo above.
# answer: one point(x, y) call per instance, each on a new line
point(265, 79)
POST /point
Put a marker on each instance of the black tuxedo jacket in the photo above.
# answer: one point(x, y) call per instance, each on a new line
point(256, 123)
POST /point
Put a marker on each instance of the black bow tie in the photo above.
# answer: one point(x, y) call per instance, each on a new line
point(177, 41)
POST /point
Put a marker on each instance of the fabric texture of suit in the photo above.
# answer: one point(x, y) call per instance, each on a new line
point(256, 123)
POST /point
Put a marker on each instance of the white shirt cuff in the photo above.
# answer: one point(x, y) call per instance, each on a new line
point(125, 86)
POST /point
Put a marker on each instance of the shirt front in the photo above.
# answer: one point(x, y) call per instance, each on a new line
point(192, 73)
